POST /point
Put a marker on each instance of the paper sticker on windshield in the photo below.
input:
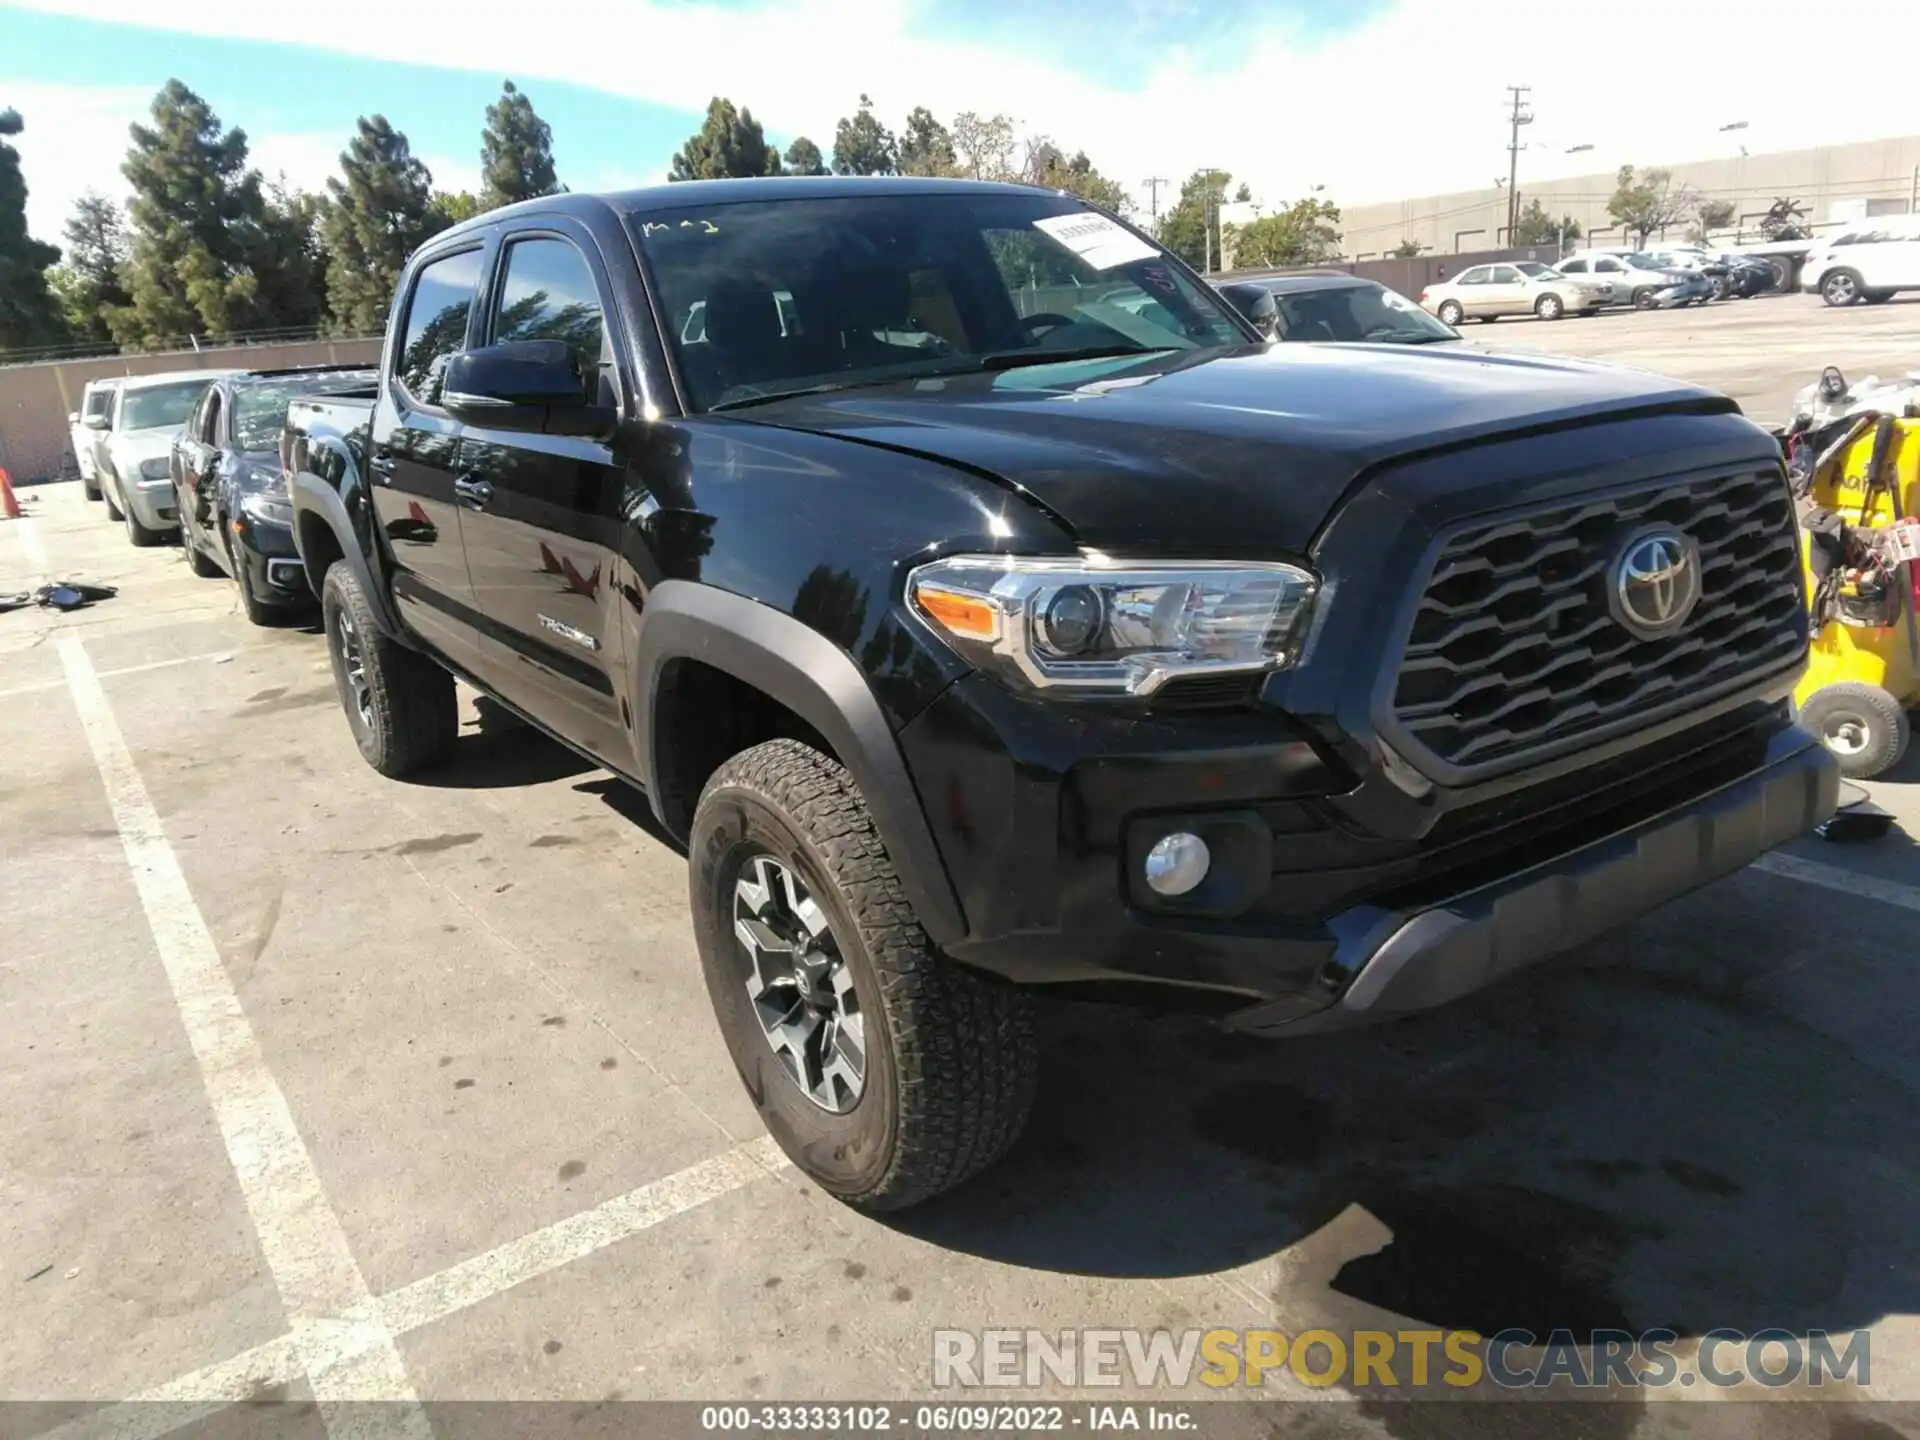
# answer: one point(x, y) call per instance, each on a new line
point(1095, 239)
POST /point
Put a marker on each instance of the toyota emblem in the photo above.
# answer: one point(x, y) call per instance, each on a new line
point(1655, 583)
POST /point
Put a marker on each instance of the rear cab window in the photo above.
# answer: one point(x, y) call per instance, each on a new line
point(436, 326)
point(766, 297)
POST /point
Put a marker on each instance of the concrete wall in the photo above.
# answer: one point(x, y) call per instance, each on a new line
point(1836, 184)
point(35, 400)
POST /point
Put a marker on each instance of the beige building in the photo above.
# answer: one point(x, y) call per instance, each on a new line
point(1836, 184)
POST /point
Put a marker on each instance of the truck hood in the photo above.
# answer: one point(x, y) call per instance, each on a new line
point(133, 446)
point(1223, 453)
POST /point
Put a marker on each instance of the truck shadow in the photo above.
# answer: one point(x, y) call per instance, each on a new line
point(1705, 1121)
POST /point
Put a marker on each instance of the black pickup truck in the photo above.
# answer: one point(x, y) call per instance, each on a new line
point(985, 607)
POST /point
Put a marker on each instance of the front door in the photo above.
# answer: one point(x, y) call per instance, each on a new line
point(1506, 292)
point(196, 454)
point(541, 521)
point(413, 455)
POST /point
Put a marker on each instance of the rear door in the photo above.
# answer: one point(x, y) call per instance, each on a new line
point(1900, 261)
point(414, 452)
point(542, 530)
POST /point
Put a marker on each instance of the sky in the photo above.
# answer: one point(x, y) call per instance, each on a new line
point(1372, 99)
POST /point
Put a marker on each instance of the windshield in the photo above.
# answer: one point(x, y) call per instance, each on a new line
point(1357, 312)
point(156, 406)
point(1536, 270)
point(260, 409)
point(773, 297)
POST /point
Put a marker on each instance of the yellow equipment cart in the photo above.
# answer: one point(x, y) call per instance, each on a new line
point(1863, 672)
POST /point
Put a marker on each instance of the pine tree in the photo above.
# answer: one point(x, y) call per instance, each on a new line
point(516, 152)
point(288, 258)
point(382, 208)
point(926, 146)
point(195, 209)
point(863, 146)
point(804, 158)
point(29, 312)
point(729, 145)
point(90, 282)
point(451, 207)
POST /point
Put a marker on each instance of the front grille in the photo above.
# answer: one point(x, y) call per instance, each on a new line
point(1513, 647)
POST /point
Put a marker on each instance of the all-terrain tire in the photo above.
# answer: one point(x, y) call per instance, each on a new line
point(404, 719)
point(951, 1057)
point(198, 561)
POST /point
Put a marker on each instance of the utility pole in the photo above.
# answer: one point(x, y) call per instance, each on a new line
point(1153, 184)
point(1520, 116)
point(1913, 196)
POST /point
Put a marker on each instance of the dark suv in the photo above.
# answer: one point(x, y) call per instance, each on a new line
point(984, 606)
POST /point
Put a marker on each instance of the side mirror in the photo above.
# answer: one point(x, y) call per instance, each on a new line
point(95, 422)
point(73, 417)
point(528, 385)
point(1255, 304)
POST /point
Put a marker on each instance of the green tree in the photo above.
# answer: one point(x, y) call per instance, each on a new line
point(1190, 227)
point(382, 208)
point(1407, 250)
point(516, 152)
point(89, 283)
point(926, 146)
point(804, 158)
point(1536, 227)
point(1049, 168)
point(1306, 232)
point(29, 311)
point(1709, 216)
point(448, 208)
point(983, 146)
point(1243, 195)
point(288, 258)
point(1649, 202)
point(730, 145)
point(863, 146)
point(195, 210)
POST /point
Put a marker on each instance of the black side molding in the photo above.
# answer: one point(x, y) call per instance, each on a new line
point(314, 496)
point(814, 678)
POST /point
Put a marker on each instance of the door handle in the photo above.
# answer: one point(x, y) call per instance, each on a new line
point(475, 491)
point(382, 464)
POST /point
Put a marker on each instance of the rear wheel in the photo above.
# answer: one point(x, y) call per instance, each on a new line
point(91, 488)
point(399, 704)
point(141, 535)
point(1643, 299)
point(1840, 289)
point(1548, 307)
point(885, 1071)
point(1451, 313)
point(1862, 725)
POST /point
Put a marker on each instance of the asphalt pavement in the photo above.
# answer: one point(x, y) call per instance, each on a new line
point(323, 1089)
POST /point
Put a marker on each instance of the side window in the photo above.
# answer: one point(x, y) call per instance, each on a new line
point(1574, 267)
point(436, 322)
point(1476, 276)
point(1608, 267)
point(98, 402)
point(1505, 275)
point(548, 294)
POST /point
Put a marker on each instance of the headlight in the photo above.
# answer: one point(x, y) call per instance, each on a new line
point(270, 509)
point(155, 469)
point(1105, 627)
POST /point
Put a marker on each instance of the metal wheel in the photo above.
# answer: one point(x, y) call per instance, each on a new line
point(1549, 307)
point(1846, 734)
point(1840, 289)
point(800, 985)
point(1451, 313)
point(354, 665)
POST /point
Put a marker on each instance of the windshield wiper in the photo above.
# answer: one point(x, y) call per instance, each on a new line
point(770, 396)
point(962, 365)
point(1018, 359)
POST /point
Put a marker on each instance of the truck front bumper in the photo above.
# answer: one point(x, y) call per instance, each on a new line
point(1390, 964)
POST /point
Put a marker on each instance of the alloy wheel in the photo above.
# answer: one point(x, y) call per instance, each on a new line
point(353, 666)
point(800, 984)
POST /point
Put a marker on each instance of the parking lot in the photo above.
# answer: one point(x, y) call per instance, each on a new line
point(325, 1088)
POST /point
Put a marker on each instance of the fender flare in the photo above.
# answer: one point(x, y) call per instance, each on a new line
point(810, 675)
point(312, 495)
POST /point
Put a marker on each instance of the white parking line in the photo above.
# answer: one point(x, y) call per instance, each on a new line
point(1848, 882)
point(344, 1347)
point(29, 536)
point(131, 670)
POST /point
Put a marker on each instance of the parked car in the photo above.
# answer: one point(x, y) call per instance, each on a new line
point(135, 459)
point(1486, 292)
point(1339, 307)
point(1871, 261)
point(1637, 279)
point(1697, 260)
point(236, 513)
point(1320, 683)
point(87, 425)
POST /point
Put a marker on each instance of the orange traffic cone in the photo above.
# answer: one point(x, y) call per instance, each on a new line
point(9, 505)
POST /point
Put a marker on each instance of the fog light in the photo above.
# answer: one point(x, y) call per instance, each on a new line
point(1177, 863)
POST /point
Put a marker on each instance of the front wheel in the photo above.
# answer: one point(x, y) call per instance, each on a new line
point(1451, 313)
point(90, 488)
point(1548, 307)
point(1840, 289)
point(399, 703)
point(1643, 299)
point(198, 561)
point(886, 1072)
point(113, 504)
point(1876, 297)
point(142, 536)
point(1862, 725)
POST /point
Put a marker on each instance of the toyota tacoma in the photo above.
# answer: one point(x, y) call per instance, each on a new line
point(985, 608)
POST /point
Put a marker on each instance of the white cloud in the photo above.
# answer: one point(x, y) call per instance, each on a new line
point(1411, 102)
